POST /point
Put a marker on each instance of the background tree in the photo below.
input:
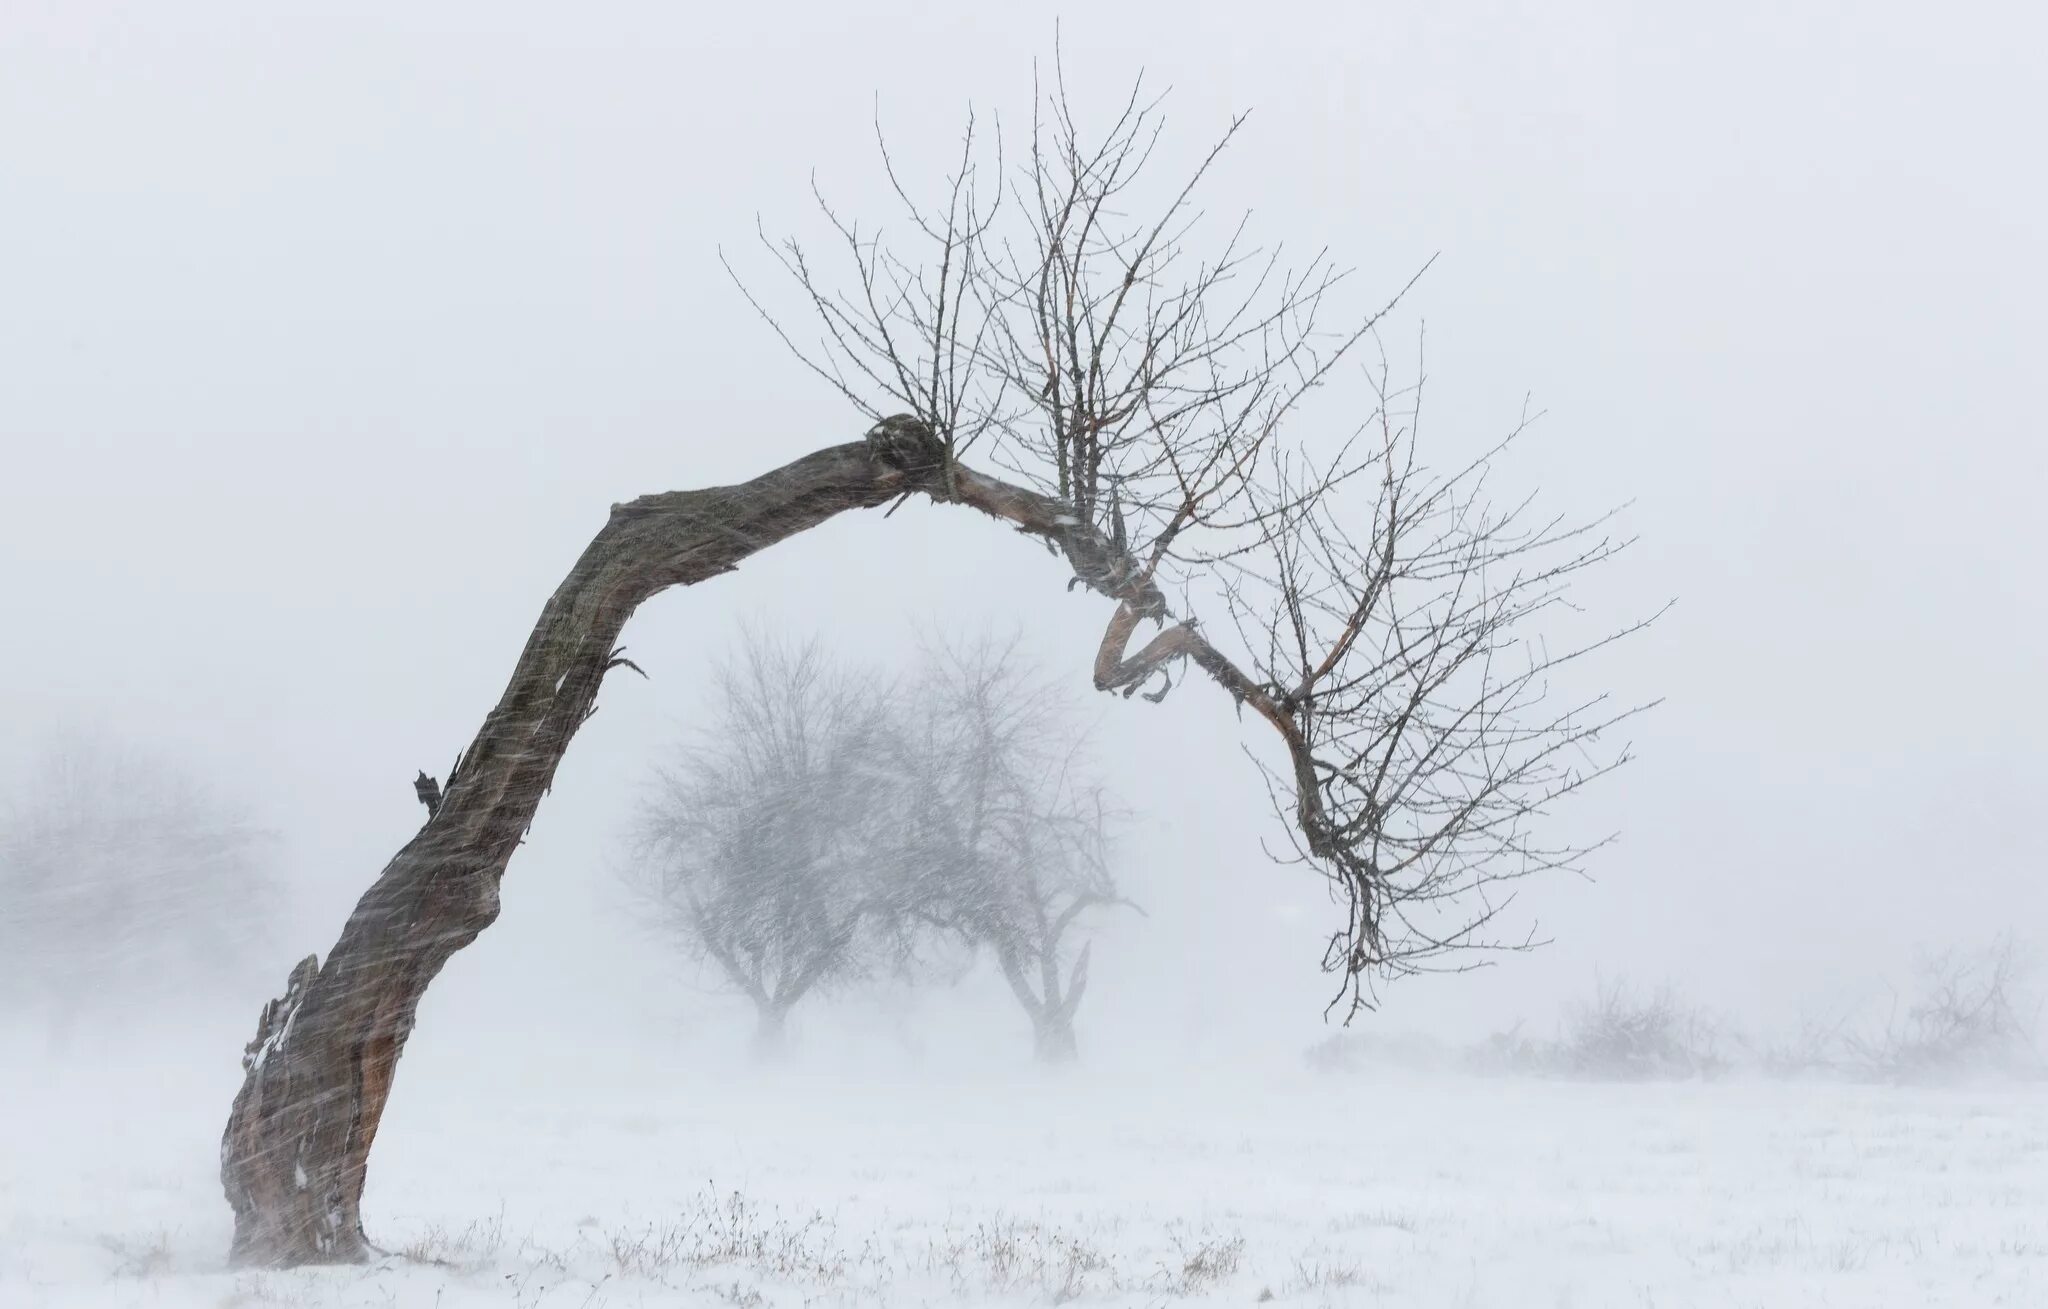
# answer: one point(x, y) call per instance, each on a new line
point(124, 881)
point(1151, 399)
point(765, 850)
point(1968, 1011)
point(1010, 831)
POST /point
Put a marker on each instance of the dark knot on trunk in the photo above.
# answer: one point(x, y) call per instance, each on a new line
point(907, 443)
point(429, 791)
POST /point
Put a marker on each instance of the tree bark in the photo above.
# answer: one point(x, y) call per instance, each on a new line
point(771, 1033)
point(296, 1150)
point(1052, 1033)
point(1051, 1014)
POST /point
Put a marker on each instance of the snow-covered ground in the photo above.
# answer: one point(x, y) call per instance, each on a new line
point(639, 1183)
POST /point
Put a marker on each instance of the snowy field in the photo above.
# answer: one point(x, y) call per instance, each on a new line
point(648, 1185)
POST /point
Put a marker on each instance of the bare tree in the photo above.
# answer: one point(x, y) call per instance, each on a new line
point(123, 880)
point(1157, 402)
point(1008, 831)
point(1154, 403)
point(823, 827)
point(1623, 1032)
point(1970, 1012)
point(766, 850)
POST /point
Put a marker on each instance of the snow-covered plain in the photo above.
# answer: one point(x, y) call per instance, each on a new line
point(640, 1182)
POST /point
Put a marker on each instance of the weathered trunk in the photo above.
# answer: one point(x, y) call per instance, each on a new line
point(1051, 1010)
point(771, 1033)
point(297, 1145)
point(1052, 1033)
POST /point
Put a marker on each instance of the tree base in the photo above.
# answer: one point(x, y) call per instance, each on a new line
point(1055, 1044)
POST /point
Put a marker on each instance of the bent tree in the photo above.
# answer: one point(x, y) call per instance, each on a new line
point(1163, 420)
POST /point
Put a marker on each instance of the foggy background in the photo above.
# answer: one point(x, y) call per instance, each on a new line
point(326, 341)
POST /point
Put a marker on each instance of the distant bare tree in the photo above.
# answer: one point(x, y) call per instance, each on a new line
point(1010, 833)
point(765, 850)
point(1155, 396)
point(124, 881)
point(1969, 1012)
point(1625, 1033)
point(823, 826)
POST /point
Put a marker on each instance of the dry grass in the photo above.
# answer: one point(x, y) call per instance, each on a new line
point(725, 1242)
point(1199, 1265)
point(140, 1258)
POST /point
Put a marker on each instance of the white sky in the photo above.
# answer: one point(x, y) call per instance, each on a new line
point(327, 339)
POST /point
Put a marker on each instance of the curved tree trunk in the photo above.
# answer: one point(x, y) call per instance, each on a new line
point(297, 1144)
